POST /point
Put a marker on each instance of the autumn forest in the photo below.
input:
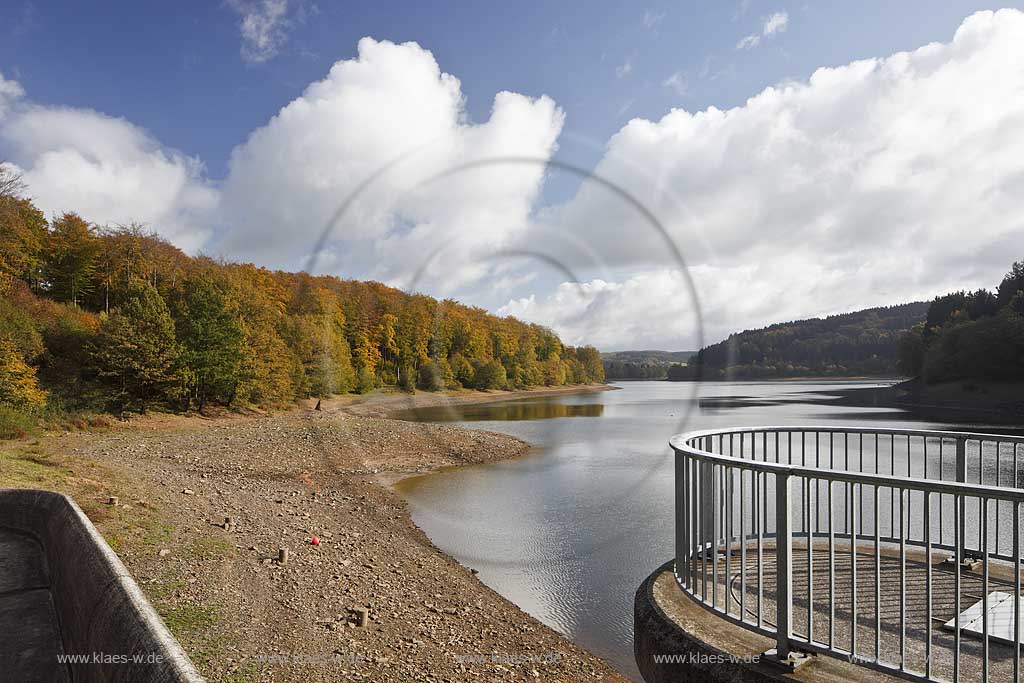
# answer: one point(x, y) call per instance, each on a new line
point(114, 318)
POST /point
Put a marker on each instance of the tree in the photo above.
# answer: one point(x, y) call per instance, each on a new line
point(1011, 284)
point(367, 359)
point(211, 338)
point(18, 385)
point(137, 353)
point(462, 370)
point(593, 369)
point(436, 375)
point(910, 351)
point(23, 236)
point(489, 375)
point(71, 259)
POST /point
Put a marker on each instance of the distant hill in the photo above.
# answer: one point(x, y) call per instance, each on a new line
point(850, 344)
point(652, 357)
point(649, 364)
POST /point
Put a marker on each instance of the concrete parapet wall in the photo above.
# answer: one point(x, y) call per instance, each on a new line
point(98, 606)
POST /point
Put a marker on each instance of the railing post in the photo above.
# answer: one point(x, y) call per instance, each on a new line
point(783, 569)
point(683, 551)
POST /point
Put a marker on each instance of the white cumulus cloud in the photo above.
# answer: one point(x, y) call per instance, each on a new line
point(288, 180)
point(881, 181)
point(105, 168)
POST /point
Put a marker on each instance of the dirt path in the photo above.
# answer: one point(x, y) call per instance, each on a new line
point(241, 614)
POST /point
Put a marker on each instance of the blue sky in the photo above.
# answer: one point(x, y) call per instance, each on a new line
point(132, 111)
point(176, 69)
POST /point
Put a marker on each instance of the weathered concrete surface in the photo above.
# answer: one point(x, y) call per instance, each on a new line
point(709, 648)
point(63, 591)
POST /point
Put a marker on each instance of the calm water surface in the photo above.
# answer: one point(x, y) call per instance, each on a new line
point(569, 533)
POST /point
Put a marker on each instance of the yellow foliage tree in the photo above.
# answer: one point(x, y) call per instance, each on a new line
point(18, 385)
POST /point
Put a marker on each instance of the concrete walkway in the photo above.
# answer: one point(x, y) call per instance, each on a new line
point(31, 640)
point(886, 631)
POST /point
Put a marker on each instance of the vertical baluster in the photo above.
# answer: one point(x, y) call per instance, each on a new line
point(861, 488)
point(783, 570)
point(928, 581)
point(999, 503)
point(743, 544)
point(984, 589)
point(958, 511)
point(810, 487)
point(727, 534)
point(683, 549)
point(878, 578)
point(1016, 582)
point(695, 523)
point(853, 567)
point(717, 474)
point(756, 483)
point(831, 569)
point(903, 582)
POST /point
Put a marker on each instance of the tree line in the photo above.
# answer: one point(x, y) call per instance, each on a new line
point(638, 365)
point(970, 335)
point(115, 317)
point(850, 344)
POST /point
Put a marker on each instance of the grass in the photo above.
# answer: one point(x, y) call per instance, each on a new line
point(31, 467)
point(16, 423)
point(209, 548)
point(188, 617)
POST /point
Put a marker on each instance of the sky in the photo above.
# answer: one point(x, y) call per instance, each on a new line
point(633, 175)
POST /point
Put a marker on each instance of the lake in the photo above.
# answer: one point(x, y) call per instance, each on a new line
point(569, 533)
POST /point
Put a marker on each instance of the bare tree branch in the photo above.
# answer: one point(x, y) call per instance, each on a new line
point(11, 183)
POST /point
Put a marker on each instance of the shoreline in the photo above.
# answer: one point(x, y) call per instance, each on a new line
point(386, 403)
point(283, 479)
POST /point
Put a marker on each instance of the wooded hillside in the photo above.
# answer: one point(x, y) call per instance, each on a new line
point(113, 317)
point(970, 335)
point(850, 344)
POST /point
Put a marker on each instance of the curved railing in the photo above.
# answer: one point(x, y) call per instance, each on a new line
point(864, 544)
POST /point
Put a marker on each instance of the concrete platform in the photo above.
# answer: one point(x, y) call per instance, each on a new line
point(668, 620)
point(63, 592)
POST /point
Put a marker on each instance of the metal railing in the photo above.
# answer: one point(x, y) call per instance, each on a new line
point(863, 544)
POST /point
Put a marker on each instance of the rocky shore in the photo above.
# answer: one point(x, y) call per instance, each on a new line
point(204, 507)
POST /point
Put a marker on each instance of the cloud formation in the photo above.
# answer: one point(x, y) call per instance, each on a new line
point(392, 102)
point(881, 181)
point(104, 168)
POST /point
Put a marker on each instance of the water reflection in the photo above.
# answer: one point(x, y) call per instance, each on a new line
point(539, 409)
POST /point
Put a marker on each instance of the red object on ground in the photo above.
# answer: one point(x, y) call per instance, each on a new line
point(315, 541)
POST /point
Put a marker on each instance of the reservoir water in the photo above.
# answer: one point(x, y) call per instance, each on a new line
point(568, 533)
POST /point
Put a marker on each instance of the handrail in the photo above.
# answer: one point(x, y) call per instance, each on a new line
point(888, 481)
point(726, 501)
point(825, 429)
